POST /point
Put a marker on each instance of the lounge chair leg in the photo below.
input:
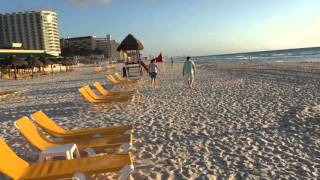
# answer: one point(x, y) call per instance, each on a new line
point(68, 155)
point(125, 172)
point(90, 151)
point(79, 176)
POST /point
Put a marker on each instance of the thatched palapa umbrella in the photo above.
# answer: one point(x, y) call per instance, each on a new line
point(130, 43)
point(14, 62)
point(33, 62)
point(131, 48)
point(57, 61)
point(46, 62)
point(69, 62)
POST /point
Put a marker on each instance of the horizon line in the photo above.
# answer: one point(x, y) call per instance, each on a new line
point(259, 51)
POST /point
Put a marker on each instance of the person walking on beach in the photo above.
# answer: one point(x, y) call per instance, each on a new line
point(153, 70)
point(171, 61)
point(189, 70)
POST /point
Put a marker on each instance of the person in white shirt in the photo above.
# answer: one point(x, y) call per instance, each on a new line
point(189, 70)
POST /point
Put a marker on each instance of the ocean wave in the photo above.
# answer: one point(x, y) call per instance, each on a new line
point(305, 54)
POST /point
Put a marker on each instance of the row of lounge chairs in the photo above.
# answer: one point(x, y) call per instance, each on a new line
point(104, 69)
point(116, 96)
point(119, 80)
point(88, 141)
point(91, 142)
point(124, 93)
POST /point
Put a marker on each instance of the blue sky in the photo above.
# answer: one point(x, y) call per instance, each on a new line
point(189, 27)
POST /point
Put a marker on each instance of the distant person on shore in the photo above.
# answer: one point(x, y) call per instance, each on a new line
point(153, 71)
point(189, 70)
point(171, 61)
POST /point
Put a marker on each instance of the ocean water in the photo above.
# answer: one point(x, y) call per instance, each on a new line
point(303, 54)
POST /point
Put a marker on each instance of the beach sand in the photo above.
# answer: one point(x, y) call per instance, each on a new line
point(241, 120)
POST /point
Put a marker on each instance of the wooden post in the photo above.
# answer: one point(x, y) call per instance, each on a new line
point(15, 72)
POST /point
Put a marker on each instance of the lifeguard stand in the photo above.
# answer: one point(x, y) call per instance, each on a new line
point(130, 48)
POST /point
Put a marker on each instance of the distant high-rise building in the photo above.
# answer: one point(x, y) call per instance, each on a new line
point(79, 45)
point(112, 50)
point(108, 37)
point(36, 30)
point(90, 45)
point(108, 47)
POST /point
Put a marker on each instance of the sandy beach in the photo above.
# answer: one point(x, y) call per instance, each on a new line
point(241, 120)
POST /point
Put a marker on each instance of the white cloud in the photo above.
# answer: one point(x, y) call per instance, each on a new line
point(86, 3)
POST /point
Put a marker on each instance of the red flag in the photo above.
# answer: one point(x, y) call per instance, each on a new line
point(159, 58)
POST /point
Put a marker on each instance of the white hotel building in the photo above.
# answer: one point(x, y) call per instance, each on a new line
point(36, 30)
